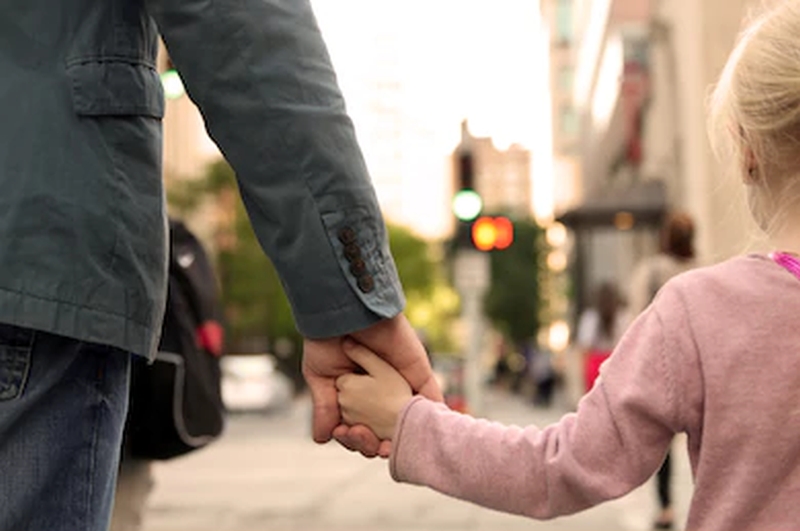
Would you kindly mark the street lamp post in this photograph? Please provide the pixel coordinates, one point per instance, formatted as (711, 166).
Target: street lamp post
(472, 280)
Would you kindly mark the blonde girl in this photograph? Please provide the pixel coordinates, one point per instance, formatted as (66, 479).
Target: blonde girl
(715, 356)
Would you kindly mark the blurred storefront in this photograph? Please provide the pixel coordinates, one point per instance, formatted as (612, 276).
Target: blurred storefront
(641, 72)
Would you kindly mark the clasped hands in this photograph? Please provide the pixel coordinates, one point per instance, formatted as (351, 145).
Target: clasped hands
(360, 384)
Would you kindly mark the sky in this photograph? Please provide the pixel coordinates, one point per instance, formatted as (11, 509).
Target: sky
(455, 59)
(458, 57)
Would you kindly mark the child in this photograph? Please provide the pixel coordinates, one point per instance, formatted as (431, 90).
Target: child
(716, 356)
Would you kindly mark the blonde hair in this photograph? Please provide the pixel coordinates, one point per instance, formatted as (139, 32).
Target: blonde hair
(755, 109)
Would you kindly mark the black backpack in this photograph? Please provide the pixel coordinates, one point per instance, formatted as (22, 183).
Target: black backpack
(176, 401)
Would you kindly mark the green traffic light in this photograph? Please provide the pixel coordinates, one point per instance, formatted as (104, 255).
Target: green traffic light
(173, 85)
(467, 205)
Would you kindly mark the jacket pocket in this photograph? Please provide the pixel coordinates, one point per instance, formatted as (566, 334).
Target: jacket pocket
(15, 358)
(115, 87)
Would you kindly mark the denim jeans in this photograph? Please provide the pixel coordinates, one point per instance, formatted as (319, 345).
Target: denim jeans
(62, 409)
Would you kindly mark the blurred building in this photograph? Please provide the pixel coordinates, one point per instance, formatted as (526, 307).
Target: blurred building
(637, 74)
(559, 19)
(187, 150)
(690, 41)
(382, 125)
(398, 150)
(187, 147)
(501, 177)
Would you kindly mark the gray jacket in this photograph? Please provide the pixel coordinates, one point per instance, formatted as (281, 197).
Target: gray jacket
(82, 217)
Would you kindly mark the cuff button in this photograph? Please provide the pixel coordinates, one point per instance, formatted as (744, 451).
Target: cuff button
(358, 267)
(352, 252)
(366, 283)
(347, 235)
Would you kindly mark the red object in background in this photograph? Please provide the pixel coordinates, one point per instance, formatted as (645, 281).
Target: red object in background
(210, 336)
(456, 403)
(594, 359)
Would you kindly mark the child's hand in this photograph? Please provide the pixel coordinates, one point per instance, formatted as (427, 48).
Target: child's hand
(374, 399)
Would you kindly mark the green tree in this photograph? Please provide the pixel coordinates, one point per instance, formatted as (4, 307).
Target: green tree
(431, 302)
(514, 302)
(412, 257)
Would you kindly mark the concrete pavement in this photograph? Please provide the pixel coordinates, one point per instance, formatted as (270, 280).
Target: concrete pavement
(267, 474)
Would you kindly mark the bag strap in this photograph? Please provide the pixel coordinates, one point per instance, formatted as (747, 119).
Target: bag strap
(789, 262)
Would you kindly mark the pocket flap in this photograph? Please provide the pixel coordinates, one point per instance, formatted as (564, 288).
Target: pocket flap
(117, 88)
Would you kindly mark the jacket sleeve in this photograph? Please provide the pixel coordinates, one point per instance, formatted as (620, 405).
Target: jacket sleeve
(614, 442)
(260, 73)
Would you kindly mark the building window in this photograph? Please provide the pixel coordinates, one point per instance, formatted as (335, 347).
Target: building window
(568, 120)
(564, 21)
(565, 76)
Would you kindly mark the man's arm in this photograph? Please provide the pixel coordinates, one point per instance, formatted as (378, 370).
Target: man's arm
(262, 78)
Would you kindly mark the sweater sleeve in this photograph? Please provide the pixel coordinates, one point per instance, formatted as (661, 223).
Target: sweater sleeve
(640, 289)
(614, 442)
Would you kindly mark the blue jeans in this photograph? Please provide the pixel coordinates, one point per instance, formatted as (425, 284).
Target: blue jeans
(62, 409)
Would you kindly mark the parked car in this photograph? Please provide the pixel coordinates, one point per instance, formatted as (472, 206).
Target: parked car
(251, 382)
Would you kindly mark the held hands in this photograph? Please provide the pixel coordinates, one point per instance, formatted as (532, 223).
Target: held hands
(374, 399)
(395, 341)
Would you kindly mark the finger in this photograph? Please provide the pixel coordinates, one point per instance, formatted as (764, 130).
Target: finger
(359, 439)
(340, 434)
(431, 390)
(344, 381)
(396, 342)
(366, 359)
(385, 449)
(325, 412)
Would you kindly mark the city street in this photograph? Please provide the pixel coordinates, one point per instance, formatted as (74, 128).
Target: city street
(267, 474)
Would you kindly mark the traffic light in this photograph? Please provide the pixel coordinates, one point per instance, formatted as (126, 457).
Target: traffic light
(466, 170)
(467, 204)
(492, 233)
(473, 231)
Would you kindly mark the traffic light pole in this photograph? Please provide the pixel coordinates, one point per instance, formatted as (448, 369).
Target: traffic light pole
(472, 280)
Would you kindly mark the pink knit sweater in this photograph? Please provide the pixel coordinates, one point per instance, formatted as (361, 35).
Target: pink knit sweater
(717, 356)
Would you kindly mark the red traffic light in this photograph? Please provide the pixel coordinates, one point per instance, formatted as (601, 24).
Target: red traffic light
(492, 233)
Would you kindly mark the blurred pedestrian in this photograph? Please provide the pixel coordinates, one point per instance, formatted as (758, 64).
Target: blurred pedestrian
(713, 356)
(83, 225)
(676, 255)
(599, 329)
(543, 374)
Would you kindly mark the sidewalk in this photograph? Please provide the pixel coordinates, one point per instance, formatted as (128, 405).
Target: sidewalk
(267, 474)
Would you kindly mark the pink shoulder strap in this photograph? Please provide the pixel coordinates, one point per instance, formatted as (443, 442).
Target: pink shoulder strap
(788, 261)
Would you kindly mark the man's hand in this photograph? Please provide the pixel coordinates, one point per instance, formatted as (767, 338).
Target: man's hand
(395, 341)
(323, 361)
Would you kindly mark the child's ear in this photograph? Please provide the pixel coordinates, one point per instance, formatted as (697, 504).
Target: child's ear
(750, 174)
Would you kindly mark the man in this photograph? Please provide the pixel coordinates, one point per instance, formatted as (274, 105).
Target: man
(82, 223)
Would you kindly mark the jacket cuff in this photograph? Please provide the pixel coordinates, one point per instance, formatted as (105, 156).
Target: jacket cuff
(347, 319)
